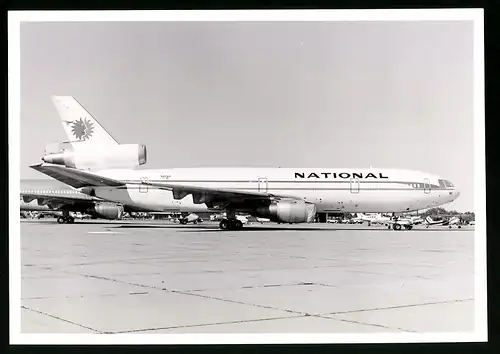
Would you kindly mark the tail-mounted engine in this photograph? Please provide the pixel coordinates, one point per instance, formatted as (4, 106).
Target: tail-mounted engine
(120, 156)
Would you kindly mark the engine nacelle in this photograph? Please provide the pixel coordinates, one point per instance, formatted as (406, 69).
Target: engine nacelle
(110, 211)
(119, 156)
(288, 211)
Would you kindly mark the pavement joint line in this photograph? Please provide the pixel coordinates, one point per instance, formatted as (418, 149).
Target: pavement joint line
(263, 286)
(60, 319)
(237, 302)
(122, 282)
(365, 323)
(206, 324)
(191, 294)
(79, 296)
(388, 275)
(399, 307)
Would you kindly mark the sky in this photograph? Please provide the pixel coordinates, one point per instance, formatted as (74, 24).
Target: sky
(288, 94)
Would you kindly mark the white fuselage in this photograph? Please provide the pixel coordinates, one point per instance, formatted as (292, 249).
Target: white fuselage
(331, 190)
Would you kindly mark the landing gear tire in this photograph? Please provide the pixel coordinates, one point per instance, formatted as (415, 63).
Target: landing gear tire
(459, 226)
(396, 227)
(237, 225)
(224, 224)
(65, 220)
(408, 227)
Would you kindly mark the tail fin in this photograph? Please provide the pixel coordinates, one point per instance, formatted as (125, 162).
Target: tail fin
(83, 130)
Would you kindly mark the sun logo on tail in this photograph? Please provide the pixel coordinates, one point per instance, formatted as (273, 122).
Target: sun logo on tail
(82, 129)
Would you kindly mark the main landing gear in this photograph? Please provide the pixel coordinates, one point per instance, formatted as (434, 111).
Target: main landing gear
(398, 227)
(65, 218)
(231, 224)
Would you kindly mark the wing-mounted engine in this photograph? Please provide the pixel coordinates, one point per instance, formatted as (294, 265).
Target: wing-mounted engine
(119, 156)
(288, 211)
(110, 211)
(28, 198)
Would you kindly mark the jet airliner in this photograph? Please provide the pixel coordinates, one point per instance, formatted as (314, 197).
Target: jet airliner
(286, 195)
(54, 197)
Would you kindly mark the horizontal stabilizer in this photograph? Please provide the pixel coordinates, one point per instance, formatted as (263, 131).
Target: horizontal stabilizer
(76, 178)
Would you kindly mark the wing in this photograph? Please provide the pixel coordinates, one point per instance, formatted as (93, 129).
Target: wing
(59, 202)
(76, 178)
(28, 197)
(214, 197)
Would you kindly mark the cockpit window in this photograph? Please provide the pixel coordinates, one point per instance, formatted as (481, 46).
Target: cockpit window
(445, 184)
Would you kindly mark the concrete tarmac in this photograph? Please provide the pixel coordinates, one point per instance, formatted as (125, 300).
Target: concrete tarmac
(158, 277)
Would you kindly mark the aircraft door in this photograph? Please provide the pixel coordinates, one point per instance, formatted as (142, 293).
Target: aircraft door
(354, 185)
(143, 188)
(427, 186)
(262, 184)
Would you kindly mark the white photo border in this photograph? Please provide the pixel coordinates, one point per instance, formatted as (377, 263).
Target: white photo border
(15, 18)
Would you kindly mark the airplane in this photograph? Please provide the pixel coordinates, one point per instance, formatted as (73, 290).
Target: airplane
(219, 217)
(55, 198)
(452, 221)
(414, 220)
(397, 223)
(373, 218)
(49, 196)
(242, 218)
(195, 219)
(284, 195)
(262, 220)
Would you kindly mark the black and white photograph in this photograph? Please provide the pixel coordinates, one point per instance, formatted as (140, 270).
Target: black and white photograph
(247, 176)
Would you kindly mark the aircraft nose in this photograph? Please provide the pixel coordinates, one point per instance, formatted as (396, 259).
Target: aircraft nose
(454, 193)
